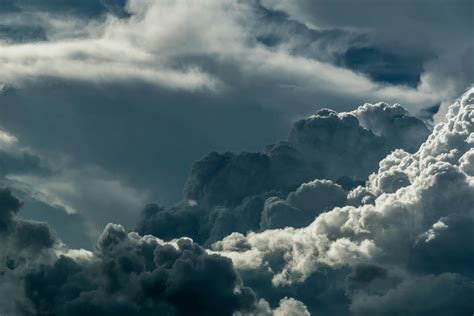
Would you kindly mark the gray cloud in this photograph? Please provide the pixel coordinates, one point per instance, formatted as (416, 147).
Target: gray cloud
(101, 97)
(125, 49)
(126, 274)
(137, 275)
(23, 245)
(127, 91)
(415, 31)
(244, 192)
(370, 258)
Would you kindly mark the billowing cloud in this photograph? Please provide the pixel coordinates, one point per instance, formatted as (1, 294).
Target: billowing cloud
(244, 192)
(367, 252)
(125, 274)
(417, 230)
(118, 87)
(347, 215)
(134, 275)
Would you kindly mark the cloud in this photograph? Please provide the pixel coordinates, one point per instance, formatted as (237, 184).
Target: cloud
(23, 244)
(126, 273)
(15, 159)
(244, 192)
(446, 293)
(416, 231)
(417, 34)
(303, 205)
(370, 256)
(322, 221)
(127, 89)
(129, 274)
(183, 51)
(54, 184)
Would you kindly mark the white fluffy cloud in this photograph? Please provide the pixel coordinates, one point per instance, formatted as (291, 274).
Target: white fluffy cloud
(424, 201)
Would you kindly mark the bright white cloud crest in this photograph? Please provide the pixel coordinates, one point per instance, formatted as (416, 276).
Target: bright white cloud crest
(437, 189)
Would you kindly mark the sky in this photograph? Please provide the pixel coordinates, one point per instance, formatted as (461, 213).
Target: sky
(296, 157)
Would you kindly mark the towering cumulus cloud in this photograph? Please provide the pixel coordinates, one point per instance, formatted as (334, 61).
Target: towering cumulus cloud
(230, 192)
(405, 250)
(309, 226)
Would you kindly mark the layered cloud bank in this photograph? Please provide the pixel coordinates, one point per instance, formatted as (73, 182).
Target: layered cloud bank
(314, 225)
(175, 45)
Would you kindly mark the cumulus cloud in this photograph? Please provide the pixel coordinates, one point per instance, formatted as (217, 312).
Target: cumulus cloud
(368, 251)
(125, 274)
(244, 192)
(130, 274)
(417, 230)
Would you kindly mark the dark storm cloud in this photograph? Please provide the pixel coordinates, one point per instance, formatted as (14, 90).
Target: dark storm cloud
(231, 192)
(139, 276)
(126, 274)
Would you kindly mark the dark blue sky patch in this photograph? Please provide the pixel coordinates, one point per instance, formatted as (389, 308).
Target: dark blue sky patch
(81, 7)
(383, 66)
(21, 34)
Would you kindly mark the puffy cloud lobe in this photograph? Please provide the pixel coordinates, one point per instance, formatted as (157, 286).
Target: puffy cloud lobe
(303, 205)
(411, 224)
(287, 307)
(126, 274)
(134, 275)
(244, 192)
(393, 122)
